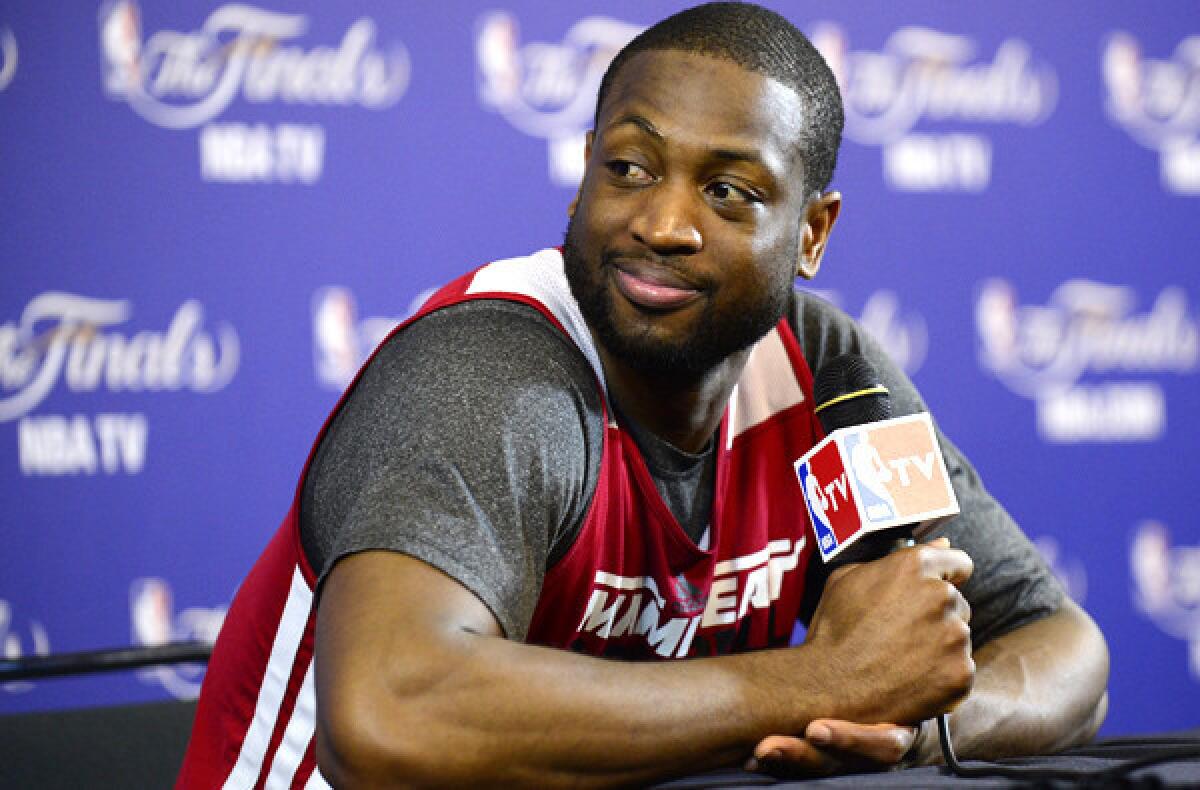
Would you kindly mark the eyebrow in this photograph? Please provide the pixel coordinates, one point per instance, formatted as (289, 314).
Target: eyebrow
(641, 122)
(724, 154)
(738, 155)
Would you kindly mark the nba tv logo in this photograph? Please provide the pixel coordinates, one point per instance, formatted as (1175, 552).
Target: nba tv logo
(875, 477)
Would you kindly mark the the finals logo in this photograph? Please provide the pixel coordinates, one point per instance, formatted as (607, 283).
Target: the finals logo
(548, 90)
(927, 97)
(184, 80)
(75, 345)
(1158, 103)
(1166, 582)
(8, 57)
(1089, 357)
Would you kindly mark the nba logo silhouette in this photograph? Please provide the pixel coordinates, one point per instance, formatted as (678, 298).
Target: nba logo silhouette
(875, 477)
(830, 498)
(816, 508)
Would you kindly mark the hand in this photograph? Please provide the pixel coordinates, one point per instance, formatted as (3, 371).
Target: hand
(831, 746)
(893, 636)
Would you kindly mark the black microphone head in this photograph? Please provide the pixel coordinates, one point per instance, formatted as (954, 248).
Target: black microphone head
(848, 391)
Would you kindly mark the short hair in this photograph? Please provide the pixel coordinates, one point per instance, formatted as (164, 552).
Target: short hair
(762, 41)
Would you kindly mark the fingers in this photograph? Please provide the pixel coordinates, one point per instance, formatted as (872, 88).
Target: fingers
(935, 566)
(936, 558)
(789, 754)
(939, 561)
(832, 745)
(899, 627)
(881, 743)
(959, 604)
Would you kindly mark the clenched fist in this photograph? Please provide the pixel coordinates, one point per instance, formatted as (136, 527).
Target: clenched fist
(894, 635)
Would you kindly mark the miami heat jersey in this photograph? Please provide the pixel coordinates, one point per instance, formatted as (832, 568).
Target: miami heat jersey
(632, 585)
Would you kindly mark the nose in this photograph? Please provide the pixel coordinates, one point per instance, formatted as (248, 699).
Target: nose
(666, 221)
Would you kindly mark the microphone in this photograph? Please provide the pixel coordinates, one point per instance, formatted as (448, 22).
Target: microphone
(875, 481)
(848, 392)
(869, 457)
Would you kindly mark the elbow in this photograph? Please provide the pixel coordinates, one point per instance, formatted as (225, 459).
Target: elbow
(360, 745)
(1079, 728)
(349, 757)
(1098, 714)
(1095, 713)
(1100, 673)
(1093, 678)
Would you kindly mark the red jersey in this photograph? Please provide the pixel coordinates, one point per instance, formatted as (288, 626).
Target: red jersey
(632, 585)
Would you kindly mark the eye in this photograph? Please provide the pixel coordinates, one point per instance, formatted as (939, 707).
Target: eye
(629, 171)
(730, 194)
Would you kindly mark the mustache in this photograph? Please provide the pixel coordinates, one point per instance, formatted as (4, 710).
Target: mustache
(671, 269)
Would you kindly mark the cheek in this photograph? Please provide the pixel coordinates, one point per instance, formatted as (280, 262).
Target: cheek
(596, 217)
(775, 258)
(785, 253)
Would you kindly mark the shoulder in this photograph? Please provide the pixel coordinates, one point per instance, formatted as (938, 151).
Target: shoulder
(468, 374)
(488, 345)
(473, 434)
(826, 331)
(482, 325)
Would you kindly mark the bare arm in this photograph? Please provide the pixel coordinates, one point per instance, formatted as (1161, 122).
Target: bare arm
(1039, 689)
(416, 686)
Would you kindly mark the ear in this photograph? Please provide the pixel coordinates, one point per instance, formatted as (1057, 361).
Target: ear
(819, 216)
(587, 154)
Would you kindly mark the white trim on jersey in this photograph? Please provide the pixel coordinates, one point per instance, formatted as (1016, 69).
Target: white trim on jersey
(296, 737)
(274, 685)
(541, 276)
(761, 391)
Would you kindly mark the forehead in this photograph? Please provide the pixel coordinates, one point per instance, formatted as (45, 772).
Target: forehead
(689, 96)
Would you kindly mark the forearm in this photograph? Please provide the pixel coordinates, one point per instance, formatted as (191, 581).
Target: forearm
(1038, 689)
(416, 686)
(429, 695)
(516, 715)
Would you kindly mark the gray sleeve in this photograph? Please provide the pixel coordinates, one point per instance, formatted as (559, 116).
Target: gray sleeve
(1011, 585)
(471, 442)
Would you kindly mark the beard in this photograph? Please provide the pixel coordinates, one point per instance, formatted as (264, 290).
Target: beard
(718, 331)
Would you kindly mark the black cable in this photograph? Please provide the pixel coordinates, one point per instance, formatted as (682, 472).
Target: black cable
(1102, 777)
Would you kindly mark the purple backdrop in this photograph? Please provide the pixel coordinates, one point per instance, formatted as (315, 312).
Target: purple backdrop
(212, 210)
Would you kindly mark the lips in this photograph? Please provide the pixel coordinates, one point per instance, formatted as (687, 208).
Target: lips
(652, 287)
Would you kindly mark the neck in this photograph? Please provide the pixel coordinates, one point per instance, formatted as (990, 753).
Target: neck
(683, 410)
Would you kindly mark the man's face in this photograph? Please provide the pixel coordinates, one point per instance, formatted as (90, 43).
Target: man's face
(685, 239)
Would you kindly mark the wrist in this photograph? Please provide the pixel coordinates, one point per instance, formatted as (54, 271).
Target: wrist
(784, 688)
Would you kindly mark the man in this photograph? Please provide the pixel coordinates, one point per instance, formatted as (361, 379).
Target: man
(592, 450)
